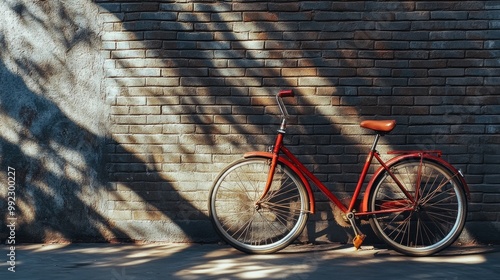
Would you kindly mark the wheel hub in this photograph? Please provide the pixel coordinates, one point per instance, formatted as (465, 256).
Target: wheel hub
(418, 208)
(258, 206)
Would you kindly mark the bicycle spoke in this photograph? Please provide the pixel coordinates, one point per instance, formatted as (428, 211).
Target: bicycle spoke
(273, 226)
(252, 225)
(397, 231)
(431, 194)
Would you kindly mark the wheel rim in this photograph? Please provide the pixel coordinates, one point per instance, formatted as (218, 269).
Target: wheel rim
(437, 217)
(265, 226)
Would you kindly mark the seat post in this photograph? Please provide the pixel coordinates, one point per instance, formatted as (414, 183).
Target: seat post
(375, 142)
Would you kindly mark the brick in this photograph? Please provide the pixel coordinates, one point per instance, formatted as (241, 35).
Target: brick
(410, 110)
(141, 25)
(119, 214)
(119, 129)
(449, 45)
(135, 7)
(227, 72)
(162, 82)
(178, 129)
(129, 119)
(491, 81)
(188, 71)
(301, 72)
(449, 35)
(490, 15)
(450, 5)
(316, 5)
(117, 54)
(121, 36)
(371, 91)
(314, 81)
(193, 17)
(226, 17)
(465, 81)
(200, 81)
(447, 72)
(139, 44)
(217, 7)
(412, 15)
(249, 6)
(131, 101)
(263, 72)
(160, 35)
(390, 82)
(199, 119)
(148, 215)
(145, 138)
(260, 16)
(270, 45)
(336, 16)
(467, 129)
(426, 81)
(197, 54)
(145, 129)
(176, 7)
(212, 26)
(120, 110)
(449, 15)
(176, 26)
(284, 7)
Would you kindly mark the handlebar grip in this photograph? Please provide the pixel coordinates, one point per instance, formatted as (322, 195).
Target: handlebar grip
(286, 93)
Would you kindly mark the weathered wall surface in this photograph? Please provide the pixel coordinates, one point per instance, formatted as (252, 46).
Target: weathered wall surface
(118, 114)
(54, 120)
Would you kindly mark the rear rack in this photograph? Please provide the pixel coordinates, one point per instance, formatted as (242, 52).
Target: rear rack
(432, 152)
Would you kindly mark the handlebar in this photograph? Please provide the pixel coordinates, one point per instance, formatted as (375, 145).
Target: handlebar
(279, 96)
(286, 93)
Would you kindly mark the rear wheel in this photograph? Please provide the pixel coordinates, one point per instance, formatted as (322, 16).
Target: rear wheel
(436, 219)
(254, 226)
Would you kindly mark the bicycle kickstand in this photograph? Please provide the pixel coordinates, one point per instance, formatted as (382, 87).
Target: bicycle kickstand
(359, 236)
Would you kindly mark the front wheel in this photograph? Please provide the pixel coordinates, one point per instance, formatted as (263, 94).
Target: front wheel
(437, 217)
(254, 226)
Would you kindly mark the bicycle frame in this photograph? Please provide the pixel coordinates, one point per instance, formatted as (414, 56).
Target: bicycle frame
(294, 164)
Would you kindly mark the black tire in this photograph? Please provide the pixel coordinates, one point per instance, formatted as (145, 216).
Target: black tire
(266, 228)
(437, 221)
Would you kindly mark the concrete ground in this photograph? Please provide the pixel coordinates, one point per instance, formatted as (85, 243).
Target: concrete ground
(196, 261)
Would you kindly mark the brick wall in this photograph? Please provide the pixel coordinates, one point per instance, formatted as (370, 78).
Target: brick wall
(191, 85)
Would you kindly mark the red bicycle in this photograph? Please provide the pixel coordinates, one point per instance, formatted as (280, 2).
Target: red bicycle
(416, 202)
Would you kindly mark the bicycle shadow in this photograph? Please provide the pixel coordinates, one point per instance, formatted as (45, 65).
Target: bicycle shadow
(383, 250)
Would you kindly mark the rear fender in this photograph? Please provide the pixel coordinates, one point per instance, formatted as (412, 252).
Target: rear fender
(290, 165)
(416, 155)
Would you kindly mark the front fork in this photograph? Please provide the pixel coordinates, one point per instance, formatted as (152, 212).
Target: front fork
(272, 168)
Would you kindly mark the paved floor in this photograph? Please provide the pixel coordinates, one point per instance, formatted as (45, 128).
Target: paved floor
(195, 261)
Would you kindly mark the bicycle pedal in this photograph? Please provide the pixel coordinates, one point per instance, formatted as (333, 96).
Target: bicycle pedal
(358, 240)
